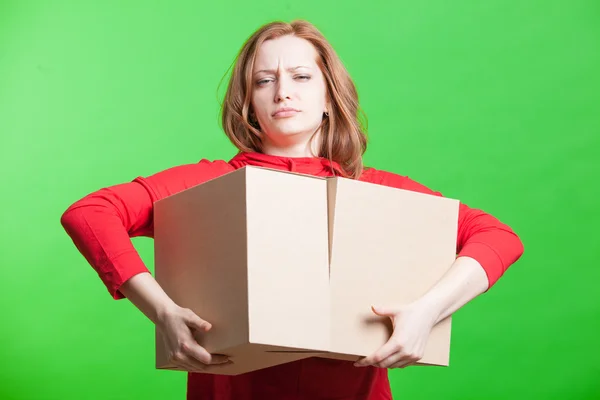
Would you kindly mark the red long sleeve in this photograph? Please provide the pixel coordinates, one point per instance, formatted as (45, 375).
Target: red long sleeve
(481, 236)
(102, 223)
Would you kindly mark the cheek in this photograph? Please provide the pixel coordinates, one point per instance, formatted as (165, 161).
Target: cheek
(317, 102)
(258, 103)
(318, 95)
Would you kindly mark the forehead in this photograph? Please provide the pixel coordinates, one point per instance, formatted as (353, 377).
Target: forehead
(285, 52)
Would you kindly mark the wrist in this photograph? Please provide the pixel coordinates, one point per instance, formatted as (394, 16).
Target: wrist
(146, 294)
(464, 281)
(430, 308)
(164, 310)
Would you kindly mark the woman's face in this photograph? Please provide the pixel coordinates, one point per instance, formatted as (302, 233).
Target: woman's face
(289, 93)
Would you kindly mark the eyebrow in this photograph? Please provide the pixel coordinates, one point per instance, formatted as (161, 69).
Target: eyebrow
(289, 69)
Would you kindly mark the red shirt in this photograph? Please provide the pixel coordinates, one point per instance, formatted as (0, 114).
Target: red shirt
(102, 223)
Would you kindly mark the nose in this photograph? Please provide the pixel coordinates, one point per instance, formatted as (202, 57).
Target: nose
(282, 92)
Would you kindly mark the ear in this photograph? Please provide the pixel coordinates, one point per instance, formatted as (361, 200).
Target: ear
(327, 107)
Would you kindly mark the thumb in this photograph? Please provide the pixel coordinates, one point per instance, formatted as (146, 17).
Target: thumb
(198, 323)
(384, 311)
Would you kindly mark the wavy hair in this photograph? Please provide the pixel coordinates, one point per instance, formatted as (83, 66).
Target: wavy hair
(343, 131)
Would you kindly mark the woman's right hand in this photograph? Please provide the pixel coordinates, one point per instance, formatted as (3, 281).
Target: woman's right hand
(178, 325)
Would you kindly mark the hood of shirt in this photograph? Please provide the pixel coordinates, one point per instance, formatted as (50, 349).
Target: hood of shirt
(316, 166)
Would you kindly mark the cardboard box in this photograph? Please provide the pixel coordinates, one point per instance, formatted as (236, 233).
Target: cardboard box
(286, 266)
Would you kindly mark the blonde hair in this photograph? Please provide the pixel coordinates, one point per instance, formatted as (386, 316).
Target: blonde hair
(343, 132)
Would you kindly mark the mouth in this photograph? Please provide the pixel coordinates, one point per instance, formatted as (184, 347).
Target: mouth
(285, 112)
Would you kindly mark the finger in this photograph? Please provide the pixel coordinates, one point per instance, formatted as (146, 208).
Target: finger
(410, 359)
(182, 361)
(394, 359)
(219, 359)
(193, 350)
(201, 354)
(389, 348)
(194, 321)
(193, 365)
(190, 366)
(403, 364)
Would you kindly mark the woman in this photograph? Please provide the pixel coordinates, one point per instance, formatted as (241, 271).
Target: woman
(290, 105)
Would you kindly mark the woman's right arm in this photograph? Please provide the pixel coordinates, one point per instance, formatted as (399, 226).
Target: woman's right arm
(101, 226)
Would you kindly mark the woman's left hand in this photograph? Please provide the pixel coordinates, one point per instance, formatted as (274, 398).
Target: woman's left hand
(412, 325)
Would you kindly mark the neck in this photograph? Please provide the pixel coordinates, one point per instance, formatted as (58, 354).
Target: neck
(292, 148)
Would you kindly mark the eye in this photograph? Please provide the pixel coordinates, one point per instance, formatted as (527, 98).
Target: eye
(303, 77)
(263, 81)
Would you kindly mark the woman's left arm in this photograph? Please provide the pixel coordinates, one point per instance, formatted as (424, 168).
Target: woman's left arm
(486, 248)
(413, 322)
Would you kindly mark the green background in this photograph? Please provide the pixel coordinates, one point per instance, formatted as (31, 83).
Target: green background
(496, 103)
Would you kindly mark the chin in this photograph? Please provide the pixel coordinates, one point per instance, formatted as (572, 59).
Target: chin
(290, 132)
(289, 129)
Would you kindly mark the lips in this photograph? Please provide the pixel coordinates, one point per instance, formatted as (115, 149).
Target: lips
(285, 112)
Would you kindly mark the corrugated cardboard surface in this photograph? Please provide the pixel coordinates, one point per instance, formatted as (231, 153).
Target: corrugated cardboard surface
(288, 274)
(200, 257)
(389, 246)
